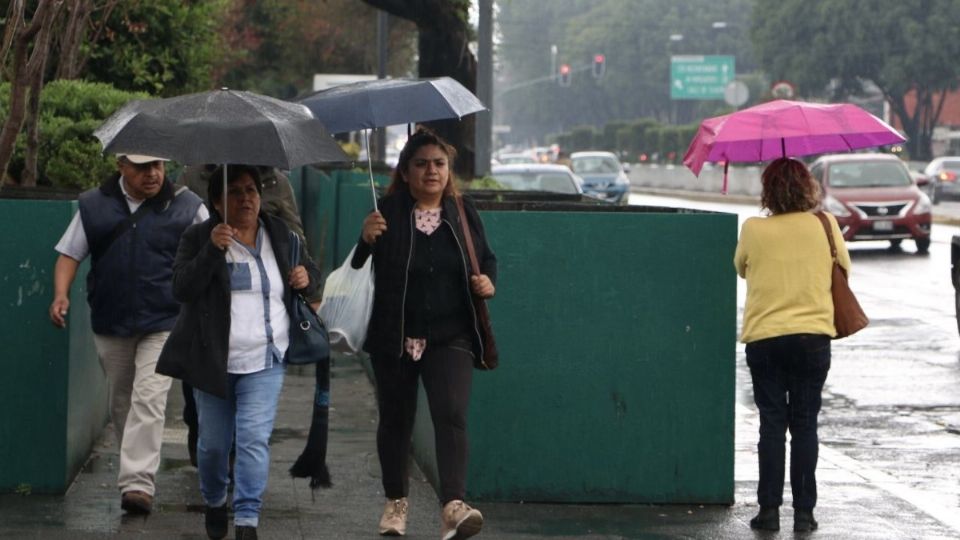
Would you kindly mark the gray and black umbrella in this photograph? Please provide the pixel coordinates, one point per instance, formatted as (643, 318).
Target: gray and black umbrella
(221, 126)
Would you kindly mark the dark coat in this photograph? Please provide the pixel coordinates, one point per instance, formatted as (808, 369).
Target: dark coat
(391, 262)
(197, 348)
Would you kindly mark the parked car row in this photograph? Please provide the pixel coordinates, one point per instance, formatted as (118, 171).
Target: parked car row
(597, 174)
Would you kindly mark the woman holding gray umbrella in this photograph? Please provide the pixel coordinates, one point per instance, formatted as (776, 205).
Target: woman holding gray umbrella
(233, 277)
(787, 326)
(423, 325)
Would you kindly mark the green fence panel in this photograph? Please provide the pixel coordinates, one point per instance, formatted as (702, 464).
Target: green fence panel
(617, 337)
(53, 389)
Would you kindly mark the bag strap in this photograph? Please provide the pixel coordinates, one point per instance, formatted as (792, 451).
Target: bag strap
(826, 227)
(471, 252)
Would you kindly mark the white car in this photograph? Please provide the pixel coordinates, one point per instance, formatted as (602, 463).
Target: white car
(538, 177)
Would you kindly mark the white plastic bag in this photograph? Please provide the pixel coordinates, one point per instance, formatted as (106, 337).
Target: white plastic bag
(347, 304)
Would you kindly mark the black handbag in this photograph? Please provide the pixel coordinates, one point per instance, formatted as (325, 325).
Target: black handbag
(309, 342)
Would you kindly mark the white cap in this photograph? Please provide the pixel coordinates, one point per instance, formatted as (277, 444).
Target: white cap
(140, 159)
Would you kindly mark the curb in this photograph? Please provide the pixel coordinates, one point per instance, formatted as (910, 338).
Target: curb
(940, 217)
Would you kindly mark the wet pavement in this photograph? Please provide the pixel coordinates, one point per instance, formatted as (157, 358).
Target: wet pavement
(868, 488)
(857, 500)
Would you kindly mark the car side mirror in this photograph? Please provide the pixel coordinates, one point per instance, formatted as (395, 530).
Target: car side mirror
(626, 167)
(921, 179)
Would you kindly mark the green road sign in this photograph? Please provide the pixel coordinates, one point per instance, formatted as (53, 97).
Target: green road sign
(700, 77)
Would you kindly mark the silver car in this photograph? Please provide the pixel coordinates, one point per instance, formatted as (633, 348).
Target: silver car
(538, 177)
(944, 175)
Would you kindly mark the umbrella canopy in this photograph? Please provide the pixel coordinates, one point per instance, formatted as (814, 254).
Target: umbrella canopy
(388, 102)
(784, 128)
(221, 126)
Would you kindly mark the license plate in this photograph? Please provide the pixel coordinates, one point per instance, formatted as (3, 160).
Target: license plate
(883, 225)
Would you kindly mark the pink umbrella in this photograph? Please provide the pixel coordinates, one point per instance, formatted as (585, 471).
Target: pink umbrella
(784, 128)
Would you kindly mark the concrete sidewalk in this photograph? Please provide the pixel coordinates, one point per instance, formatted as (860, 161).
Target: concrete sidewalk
(855, 501)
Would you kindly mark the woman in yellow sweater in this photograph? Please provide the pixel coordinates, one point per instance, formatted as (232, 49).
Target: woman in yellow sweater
(787, 326)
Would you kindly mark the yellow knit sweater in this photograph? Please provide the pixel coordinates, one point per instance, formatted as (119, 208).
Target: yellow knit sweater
(786, 262)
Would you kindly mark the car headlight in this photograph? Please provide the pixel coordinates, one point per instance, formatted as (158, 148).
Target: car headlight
(922, 205)
(835, 207)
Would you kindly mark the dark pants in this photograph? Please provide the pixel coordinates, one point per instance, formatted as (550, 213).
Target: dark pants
(788, 373)
(447, 373)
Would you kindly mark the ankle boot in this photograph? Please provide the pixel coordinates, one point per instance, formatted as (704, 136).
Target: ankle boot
(768, 519)
(803, 521)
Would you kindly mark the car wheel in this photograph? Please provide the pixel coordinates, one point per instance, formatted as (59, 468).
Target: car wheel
(923, 244)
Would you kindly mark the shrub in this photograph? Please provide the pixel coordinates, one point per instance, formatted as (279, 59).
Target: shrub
(69, 155)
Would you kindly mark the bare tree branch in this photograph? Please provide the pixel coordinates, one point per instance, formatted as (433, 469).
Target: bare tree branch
(24, 68)
(14, 22)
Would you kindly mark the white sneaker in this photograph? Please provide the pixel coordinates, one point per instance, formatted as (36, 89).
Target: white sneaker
(393, 522)
(459, 521)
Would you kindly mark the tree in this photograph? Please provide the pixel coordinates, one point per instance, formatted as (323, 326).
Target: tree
(30, 43)
(907, 48)
(162, 47)
(635, 38)
(276, 46)
(443, 50)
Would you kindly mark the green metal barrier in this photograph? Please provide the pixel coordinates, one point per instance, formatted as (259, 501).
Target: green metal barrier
(333, 204)
(616, 382)
(53, 392)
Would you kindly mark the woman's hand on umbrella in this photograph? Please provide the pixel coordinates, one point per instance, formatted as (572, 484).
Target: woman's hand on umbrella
(482, 286)
(222, 235)
(373, 226)
(299, 279)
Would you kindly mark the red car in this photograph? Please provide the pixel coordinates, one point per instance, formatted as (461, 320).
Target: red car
(874, 197)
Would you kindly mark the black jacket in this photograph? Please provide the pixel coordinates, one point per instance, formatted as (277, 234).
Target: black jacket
(391, 262)
(197, 348)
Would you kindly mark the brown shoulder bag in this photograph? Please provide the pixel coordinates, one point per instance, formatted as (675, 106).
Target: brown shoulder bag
(490, 356)
(848, 316)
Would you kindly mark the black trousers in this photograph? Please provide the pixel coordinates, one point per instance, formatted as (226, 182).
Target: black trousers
(788, 374)
(447, 373)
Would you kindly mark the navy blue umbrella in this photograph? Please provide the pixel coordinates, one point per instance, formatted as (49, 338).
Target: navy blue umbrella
(389, 102)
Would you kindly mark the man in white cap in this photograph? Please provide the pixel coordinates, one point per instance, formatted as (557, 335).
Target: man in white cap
(130, 226)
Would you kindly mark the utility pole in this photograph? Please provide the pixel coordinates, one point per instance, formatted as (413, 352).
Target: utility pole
(484, 125)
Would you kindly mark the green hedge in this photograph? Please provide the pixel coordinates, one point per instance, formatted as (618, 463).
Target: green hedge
(70, 110)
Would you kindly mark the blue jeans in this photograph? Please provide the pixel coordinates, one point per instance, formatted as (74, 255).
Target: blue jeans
(250, 407)
(788, 374)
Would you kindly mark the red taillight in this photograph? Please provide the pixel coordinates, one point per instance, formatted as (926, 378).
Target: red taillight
(947, 176)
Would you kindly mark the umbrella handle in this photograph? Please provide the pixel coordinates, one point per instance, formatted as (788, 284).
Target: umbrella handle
(225, 193)
(373, 187)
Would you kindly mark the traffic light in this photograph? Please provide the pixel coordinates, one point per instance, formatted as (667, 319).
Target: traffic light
(564, 78)
(599, 65)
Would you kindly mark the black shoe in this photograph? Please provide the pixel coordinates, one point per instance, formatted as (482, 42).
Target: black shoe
(216, 521)
(803, 521)
(767, 520)
(245, 532)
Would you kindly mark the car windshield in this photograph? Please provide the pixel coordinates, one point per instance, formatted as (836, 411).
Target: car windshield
(595, 165)
(553, 182)
(868, 174)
